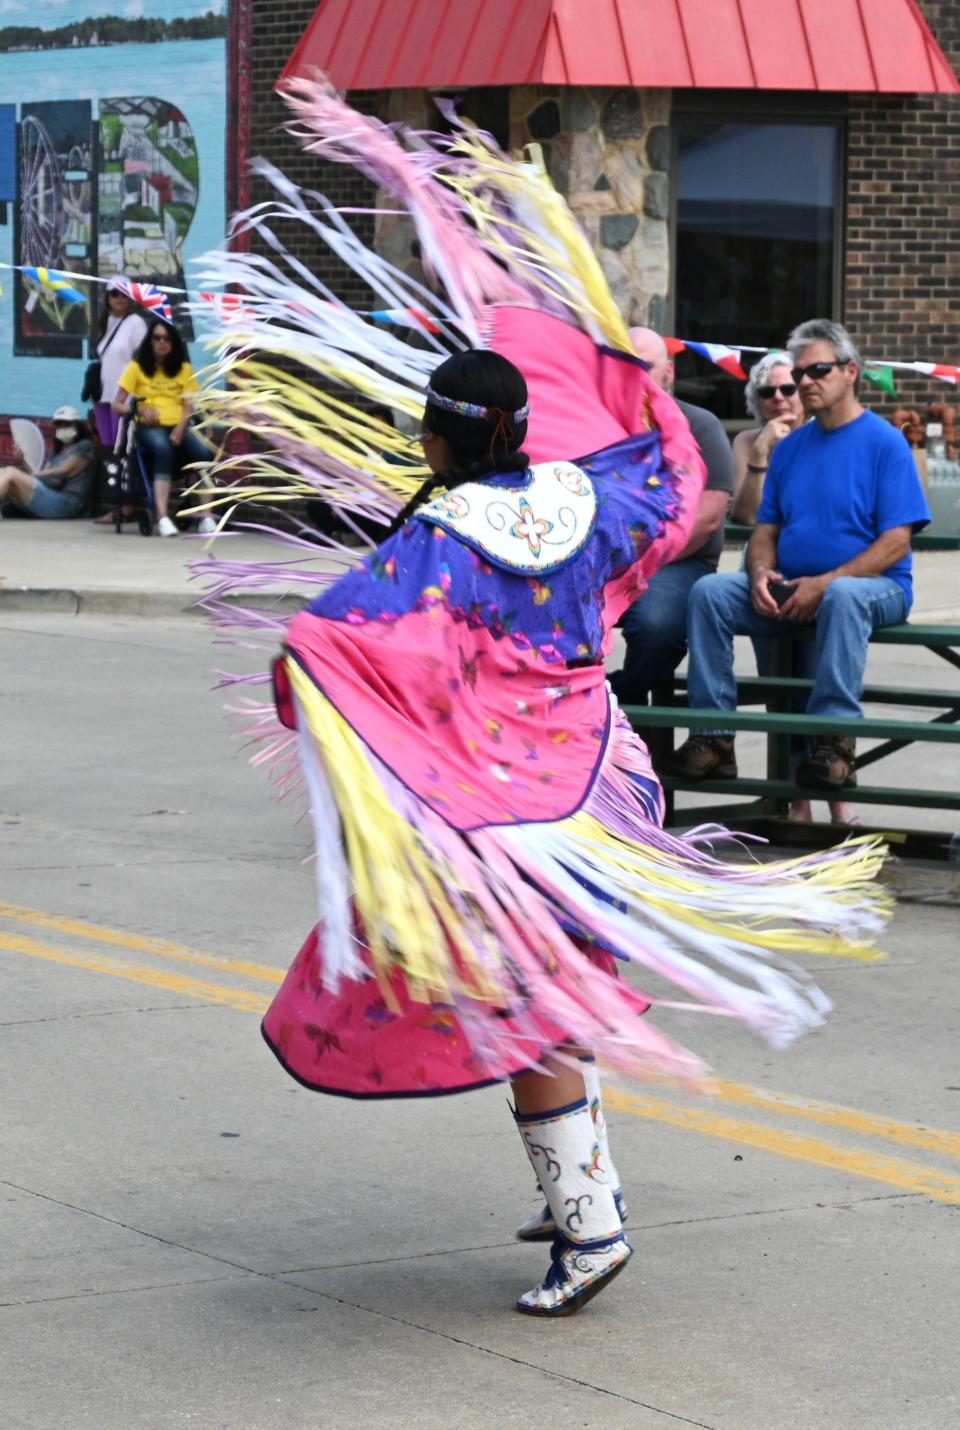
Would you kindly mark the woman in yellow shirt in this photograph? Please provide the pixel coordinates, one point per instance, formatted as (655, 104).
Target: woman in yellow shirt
(161, 379)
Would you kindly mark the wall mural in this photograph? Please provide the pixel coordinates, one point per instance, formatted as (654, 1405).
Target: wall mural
(109, 179)
(148, 183)
(55, 222)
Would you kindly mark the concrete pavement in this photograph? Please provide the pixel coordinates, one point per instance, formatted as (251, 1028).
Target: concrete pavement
(78, 567)
(190, 1239)
(73, 566)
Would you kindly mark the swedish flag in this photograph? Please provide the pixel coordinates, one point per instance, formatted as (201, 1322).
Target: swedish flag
(56, 283)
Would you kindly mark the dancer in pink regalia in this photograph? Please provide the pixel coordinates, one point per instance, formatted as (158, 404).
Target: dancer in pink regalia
(489, 841)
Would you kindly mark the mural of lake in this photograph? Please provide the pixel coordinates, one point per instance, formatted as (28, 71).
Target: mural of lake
(118, 155)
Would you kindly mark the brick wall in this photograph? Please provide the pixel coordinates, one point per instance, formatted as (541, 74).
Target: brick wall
(275, 28)
(902, 252)
(902, 278)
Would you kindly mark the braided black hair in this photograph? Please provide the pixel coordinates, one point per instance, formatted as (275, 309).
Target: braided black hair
(480, 445)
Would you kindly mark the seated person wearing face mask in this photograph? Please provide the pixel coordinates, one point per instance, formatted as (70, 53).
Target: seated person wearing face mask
(61, 489)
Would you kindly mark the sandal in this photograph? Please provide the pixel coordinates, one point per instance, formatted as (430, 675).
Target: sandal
(127, 513)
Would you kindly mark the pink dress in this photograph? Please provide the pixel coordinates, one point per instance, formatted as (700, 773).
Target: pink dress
(466, 657)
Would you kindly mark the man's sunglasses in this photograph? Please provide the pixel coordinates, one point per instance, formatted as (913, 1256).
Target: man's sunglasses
(787, 388)
(814, 370)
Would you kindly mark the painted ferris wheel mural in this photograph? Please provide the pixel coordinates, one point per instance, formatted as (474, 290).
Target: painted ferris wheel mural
(113, 159)
(115, 194)
(41, 196)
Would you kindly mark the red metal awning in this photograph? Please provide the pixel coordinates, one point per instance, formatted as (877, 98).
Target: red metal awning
(878, 46)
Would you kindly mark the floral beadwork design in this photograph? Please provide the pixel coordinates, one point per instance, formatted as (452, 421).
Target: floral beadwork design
(439, 570)
(530, 527)
(455, 505)
(571, 478)
(536, 527)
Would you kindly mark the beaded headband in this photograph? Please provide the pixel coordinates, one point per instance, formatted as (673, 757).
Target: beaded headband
(474, 409)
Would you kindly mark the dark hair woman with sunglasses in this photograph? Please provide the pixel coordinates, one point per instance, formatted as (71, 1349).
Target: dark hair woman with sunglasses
(162, 380)
(773, 399)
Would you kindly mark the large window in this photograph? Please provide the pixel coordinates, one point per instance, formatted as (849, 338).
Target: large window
(755, 240)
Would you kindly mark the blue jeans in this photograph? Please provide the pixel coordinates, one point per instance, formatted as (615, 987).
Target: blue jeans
(655, 630)
(164, 456)
(852, 608)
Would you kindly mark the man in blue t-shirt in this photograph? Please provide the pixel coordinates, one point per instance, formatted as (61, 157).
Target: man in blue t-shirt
(832, 546)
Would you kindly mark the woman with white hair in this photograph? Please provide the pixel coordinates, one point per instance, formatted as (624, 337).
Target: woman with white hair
(772, 398)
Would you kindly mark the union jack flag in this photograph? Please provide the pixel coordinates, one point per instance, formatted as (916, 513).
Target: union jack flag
(146, 295)
(228, 307)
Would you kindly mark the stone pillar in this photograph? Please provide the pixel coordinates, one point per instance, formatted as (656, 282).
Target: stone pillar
(608, 152)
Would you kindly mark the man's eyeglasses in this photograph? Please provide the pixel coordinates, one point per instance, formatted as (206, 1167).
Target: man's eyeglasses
(787, 388)
(814, 370)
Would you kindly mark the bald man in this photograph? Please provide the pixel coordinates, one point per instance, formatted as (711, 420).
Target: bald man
(655, 627)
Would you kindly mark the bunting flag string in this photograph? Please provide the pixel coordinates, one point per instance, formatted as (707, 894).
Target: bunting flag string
(724, 357)
(228, 307)
(881, 378)
(946, 372)
(877, 371)
(231, 308)
(63, 285)
(405, 317)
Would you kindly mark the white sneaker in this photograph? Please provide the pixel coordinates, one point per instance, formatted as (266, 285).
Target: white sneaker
(165, 527)
(207, 526)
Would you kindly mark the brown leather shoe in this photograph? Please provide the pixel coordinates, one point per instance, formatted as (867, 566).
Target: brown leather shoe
(830, 764)
(704, 757)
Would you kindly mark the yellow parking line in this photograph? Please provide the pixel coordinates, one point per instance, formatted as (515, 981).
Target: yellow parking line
(136, 973)
(908, 1176)
(162, 947)
(868, 1124)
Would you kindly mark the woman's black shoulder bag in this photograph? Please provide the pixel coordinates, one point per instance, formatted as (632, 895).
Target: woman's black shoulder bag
(92, 390)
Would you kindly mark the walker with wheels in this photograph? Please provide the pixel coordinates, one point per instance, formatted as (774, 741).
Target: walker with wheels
(128, 480)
